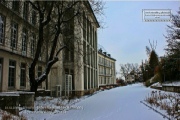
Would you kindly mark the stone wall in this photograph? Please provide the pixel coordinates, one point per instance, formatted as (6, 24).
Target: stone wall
(11, 101)
(171, 88)
(26, 100)
(168, 88)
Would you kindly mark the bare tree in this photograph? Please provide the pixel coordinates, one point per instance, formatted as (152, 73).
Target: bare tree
(126, 69)
(55, 16)
(148, 50)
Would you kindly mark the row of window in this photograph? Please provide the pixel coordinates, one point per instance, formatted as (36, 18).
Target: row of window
(14, 36)
(89, 32)
(24, 7)
(90, 77)
(104, 61)
(104, 71)
(12, 73)
(107, 80)
(89, 55)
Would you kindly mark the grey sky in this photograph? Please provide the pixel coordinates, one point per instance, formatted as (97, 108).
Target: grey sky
(126, 35)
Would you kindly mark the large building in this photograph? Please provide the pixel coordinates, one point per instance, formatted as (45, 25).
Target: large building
(78, 72)
(75, 72)
(106, 67)
(18, 35)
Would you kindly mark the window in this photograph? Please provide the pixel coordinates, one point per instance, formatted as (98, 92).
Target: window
(84, 52)
(90, 34)
(0, 73)
(72, 55)
(39, 71)
(33, 43)
(92, 41)
(23, 75)
(84, 25)
(2, 26)
(66, 71)
(88, 23)
(15, 6)
(33, 17)
(95, 40)
(12, 73)
(24, 41)
(25, 11)
(40, 56)
(14, 35)
(39, 74)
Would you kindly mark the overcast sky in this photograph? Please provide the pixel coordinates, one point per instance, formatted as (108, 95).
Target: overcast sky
(125, 35)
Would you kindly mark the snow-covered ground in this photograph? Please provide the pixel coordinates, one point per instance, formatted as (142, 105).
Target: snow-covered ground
(122, 103)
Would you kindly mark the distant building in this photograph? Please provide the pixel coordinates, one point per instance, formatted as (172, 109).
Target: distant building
(106, 67)
(130, 78)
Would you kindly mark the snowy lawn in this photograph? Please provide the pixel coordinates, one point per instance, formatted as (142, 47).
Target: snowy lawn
(121, 103)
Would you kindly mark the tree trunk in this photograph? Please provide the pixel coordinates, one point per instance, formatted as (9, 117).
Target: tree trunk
(34, 86)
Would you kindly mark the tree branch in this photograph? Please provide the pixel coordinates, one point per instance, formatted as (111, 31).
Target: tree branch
(48, 66)
(36, 8)
(60, 50)
(49, 14)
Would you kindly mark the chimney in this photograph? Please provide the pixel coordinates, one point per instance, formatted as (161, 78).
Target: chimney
(100, 50)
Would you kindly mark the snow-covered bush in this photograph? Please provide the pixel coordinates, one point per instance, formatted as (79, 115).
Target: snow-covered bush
(4, 115)
(156, 78)
(169, 102)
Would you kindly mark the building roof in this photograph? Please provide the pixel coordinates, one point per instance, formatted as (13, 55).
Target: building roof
(88, 5)
(100, 51)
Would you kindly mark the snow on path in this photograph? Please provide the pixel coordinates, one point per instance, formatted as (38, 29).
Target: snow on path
(122, 103)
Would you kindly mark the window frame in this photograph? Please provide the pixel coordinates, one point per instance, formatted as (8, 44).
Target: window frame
(33, 17)
(2, 29)
(14, 35)
(33, 44)
(16, 6)
(1, 72)
(23, 75)
(24, 41)
(11, 83)
(39, 71)
(25, 10)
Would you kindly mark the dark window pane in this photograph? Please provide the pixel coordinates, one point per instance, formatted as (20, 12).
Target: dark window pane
(15, 6)
(25, 11)
(2, 27)
(14, 34)
(12, 72)
(23, 75)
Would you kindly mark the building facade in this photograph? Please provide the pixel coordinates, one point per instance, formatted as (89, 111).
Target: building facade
(106, 68)
(17, 45)
(75, 72)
